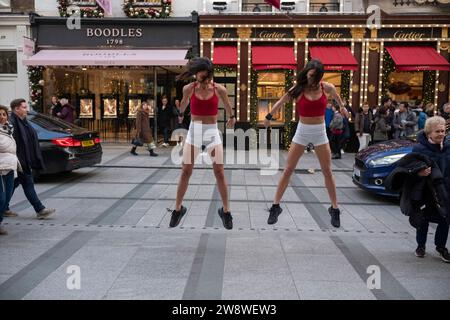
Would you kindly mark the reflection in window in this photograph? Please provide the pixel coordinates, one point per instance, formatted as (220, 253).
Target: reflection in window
(5, 4)
(324, 6)
(255, 6)
(8, 62)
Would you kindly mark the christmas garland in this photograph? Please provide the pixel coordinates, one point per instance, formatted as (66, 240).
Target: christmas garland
(428, 88)
(132, 10)
(94, 12)
(388, 67)
(289, 83)
(35, 84)
(254, 107)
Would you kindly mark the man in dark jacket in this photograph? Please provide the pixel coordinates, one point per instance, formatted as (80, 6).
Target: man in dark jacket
(165, 114)
(29, 155)
(67, 111)
(55, 107)
(433, 146)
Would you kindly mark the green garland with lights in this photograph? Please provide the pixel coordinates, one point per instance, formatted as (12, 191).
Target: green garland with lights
(254, 106)
(224, 69)
(288, 107)
(94, 12)
(428, 86)
(388, 68)
(35, 76)
(345, 84)
(133, 11)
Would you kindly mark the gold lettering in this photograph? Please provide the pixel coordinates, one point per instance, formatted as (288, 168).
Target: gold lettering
(408, 35)
(271, 35)
(328, 35)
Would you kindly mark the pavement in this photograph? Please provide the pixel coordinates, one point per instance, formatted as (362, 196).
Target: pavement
(109, 238)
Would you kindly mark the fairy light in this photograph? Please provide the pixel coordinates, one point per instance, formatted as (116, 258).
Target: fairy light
(238, 75)
(380, 76)
(249, 78)
(437, 77)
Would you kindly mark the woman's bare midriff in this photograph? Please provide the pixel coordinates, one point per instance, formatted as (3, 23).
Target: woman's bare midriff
(312, 120)
(204, 119)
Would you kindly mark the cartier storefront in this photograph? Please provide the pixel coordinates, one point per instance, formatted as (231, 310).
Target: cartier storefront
(109, 66)
(260, 56)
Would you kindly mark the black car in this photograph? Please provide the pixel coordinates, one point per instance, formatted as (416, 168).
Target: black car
(65, 147)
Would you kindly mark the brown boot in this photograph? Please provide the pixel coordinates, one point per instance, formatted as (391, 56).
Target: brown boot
(3, 231)
(9, 213)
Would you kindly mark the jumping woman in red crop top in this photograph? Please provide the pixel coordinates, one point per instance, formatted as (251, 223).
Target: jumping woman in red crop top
(204, 97)
(310, 95)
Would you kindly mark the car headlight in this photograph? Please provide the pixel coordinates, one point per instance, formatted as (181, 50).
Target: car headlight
(385, 161)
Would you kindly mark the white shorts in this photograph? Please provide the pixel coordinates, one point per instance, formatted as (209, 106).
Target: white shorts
(310, 133)
(200, 134)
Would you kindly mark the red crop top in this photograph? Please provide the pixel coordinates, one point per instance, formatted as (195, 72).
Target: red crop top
(308, 108)
(208, 107)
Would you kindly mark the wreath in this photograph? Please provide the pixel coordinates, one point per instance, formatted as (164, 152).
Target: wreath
(85, 12)
(137, 10)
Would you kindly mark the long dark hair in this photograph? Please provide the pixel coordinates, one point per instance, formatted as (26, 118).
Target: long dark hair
(302, 78)
(196, 65)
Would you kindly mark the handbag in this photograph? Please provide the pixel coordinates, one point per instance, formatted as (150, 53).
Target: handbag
(137, 142)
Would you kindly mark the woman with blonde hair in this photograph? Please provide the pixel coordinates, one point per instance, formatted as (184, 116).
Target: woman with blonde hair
(143, 131)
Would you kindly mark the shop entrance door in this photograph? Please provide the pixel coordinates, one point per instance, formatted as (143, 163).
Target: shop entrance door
(230, 84)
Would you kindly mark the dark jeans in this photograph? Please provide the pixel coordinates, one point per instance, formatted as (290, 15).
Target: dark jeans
(6, 191)
(336, 143)
(26, 180)
(166, 133)
(440, 238)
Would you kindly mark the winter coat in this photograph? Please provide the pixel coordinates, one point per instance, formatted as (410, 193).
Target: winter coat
(381, 128)
(143, 130)
(28, 149)
(8, 148)
(67, 113)
(408, 127)
(359, 121)
(337, 123)
(165, 116)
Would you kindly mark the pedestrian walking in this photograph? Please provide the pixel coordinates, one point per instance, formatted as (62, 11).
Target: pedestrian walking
(8, 164)
(405, 121)
(381, 125)
(143, 132)
(310, 96)
(423, 180)
(203, 95)
(363, 125)
(165, 115)
(337, 133)
(29, 155)
(67, 111)
(55, 106)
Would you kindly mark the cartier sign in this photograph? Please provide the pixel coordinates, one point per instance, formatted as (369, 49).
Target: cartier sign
(272, 33)
(329, 33)
(409, 33)
(114, 32)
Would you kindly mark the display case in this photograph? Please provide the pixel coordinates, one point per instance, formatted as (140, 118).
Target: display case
(109, 106)
(86, 106)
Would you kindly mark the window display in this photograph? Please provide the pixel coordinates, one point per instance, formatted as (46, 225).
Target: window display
(86, 107)
(109, 107)
(270, 90)
(133, 106)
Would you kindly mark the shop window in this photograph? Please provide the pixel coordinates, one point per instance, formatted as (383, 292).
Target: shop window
(324, 6)
(5, 5)
(334, 78)
(406, 86)
(255, 6)
(271, 87)
(8, 62)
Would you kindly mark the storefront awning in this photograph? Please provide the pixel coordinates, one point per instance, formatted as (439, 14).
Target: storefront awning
(264, 58)
(417, 58)
(156, 57)
(225, 55)
(334, 58)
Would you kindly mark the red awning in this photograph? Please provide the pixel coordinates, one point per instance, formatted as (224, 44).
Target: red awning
(417, 58)
(225, 55)
(264, 58)
(334, 58)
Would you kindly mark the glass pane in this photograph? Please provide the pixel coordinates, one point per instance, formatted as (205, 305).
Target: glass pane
(8, 62)
(221, 126)
(231, 88)
(221, 114)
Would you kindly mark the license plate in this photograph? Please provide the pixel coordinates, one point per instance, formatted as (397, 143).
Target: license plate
(87, 143)
(356, 172)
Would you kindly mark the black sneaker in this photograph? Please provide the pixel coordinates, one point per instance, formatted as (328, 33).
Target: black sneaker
(334, 213)
(274, 213)
(443, 252)
(227, 219)
(420, 252)
(176, 217)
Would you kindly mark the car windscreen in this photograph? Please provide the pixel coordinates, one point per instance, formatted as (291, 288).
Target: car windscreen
(52, 124)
